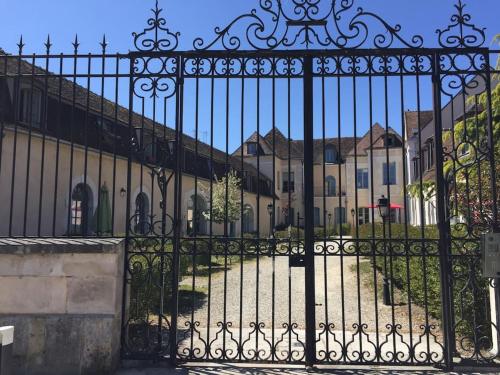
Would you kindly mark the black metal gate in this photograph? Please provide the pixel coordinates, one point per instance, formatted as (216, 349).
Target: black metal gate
(307, 187)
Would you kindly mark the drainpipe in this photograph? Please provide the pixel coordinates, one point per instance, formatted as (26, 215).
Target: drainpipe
(6, 343)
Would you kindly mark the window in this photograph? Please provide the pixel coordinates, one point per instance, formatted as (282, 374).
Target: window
(430, 154)
(330, 154)
(389, 174)
(331, 186)
(288, 182)
(81, 210)
(30, 107)
(416, 169)
(362, 176)
(317, 217)
(248, 219)
(340, 215)
(464, 149)
(389, 140)
(252, 148)
(363, 215)
(142, 225)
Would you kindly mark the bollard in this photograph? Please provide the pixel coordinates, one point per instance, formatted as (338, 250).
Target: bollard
(6, 343)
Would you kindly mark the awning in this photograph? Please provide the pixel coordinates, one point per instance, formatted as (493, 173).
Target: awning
(393, 205)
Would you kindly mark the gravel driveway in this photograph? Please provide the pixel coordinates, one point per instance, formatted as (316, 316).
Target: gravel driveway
(272, 292)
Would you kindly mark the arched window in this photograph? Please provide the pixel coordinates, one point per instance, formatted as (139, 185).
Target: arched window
(331, 186)
(142, 222)
(248, 219)
(330, 154)
(196, 222)
(81, 210)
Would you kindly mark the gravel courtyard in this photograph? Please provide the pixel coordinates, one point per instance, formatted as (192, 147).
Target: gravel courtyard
(267, 290)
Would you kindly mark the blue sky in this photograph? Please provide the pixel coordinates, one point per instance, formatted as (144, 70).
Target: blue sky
(90, 19)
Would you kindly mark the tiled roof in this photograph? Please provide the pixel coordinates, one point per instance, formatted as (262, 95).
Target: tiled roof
(372, 139)
(411, 121)
(70, 92)
(282, 145)
(297, 146)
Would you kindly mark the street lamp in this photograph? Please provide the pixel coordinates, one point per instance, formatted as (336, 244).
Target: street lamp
(384, 210)
(329, 222)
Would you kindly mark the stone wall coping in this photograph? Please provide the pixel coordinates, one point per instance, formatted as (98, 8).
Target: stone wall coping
(6, 335)
(23, 246)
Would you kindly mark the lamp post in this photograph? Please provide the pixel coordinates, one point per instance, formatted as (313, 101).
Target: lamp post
(384, 210)
(329, 221)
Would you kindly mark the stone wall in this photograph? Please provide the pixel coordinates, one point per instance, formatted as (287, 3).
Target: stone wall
(64, 298)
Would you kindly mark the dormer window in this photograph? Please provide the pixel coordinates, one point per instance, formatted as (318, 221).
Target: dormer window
(330, 154)
(389, 141)
(252, 148)
(30, 107)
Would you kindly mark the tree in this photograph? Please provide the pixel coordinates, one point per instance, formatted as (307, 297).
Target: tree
(469, 171)
(468, 164)
(226, 199)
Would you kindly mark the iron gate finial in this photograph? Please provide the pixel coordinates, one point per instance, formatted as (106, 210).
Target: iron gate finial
(162, 39)
(461, 33)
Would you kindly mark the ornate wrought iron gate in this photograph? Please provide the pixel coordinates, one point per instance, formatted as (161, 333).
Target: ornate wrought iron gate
(244, 158)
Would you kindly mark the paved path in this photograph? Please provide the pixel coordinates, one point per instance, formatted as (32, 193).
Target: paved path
(279, 293)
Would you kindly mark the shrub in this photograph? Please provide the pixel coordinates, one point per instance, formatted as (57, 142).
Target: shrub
(322, 233)
(417, 274)
(345, 229)
(149, 272)
(281, 227)
(292, 233)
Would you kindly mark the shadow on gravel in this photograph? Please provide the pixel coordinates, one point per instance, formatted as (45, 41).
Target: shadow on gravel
(298, 370)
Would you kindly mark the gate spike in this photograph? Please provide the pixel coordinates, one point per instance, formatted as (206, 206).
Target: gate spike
(76, 44)
(103, 43)
(47, 44)
(21, 45)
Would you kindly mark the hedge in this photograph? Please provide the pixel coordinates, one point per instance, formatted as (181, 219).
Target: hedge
(417, 275)
(145, 273)
(320, 233)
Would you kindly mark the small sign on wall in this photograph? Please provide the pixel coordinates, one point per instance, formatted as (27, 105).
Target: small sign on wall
(490, 246)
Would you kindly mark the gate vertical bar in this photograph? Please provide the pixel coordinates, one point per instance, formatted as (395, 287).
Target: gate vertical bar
(177, 206)
(495, 225)
(442, 218)
(131, 135)
(309, 212)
